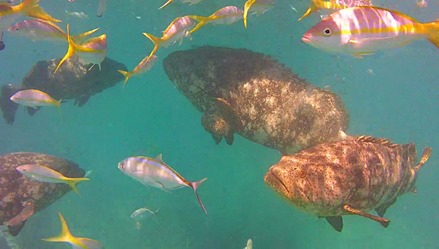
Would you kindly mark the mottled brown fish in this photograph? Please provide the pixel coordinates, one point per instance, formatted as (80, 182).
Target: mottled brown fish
(251, 94)
(352, 176)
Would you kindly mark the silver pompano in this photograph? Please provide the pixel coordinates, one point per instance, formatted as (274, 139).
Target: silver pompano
(240, 91)
(21, 197)
(352, 176)
(154, 172)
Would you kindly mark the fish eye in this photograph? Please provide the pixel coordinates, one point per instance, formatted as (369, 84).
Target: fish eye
(122, 165)
(327, 31)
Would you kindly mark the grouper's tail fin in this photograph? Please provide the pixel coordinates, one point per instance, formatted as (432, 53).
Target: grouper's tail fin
(425, 155)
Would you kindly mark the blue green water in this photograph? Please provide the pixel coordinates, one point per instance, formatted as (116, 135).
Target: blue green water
(148, 116)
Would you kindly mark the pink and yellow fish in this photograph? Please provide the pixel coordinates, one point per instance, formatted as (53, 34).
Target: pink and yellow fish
(43, 173)
(182, 1)
(10, 13)
(91, 51)
(143, 66)
(76, 242)
(34, 98)
(177, 30)
(256, 7)
(364, 30)
(225, 15)
(37, 29)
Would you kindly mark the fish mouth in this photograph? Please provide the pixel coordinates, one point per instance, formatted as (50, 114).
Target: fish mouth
(306, 38)
(274, 181)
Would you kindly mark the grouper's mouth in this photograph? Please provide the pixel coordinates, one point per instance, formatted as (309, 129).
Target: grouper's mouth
(274, 181)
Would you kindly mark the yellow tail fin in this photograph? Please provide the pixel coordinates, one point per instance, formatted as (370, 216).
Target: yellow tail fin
(202, 20)
(32, 8)
(157, 41)
(72, 182)
(65, 235)
(433, 32)
(166, 4)
(70, 50)
(247, 6)
(126, 74)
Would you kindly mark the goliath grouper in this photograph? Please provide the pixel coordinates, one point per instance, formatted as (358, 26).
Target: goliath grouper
(352, 176)
(240, 91)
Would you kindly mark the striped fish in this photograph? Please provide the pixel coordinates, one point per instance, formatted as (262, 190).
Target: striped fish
(364, 30)
(154, 172)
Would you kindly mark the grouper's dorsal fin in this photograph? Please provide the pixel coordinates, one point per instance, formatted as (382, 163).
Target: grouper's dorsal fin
(382, 141)
(159, 158)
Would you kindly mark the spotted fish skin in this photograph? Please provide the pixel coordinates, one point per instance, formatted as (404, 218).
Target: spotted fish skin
(363, 172)
(249, 93)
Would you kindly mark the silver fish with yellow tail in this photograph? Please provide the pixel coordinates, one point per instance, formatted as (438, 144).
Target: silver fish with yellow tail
(352, 176)
(154, 172)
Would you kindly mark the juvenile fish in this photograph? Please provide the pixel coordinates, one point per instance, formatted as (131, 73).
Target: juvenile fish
(177, 30)
(226, 15)
(80, 15)
(364, 30)
(352, 176)
(102, 6)
(154, 172)
(144, 66)
(45, 174)
(34, 98)
(141, 214)
(76, 242)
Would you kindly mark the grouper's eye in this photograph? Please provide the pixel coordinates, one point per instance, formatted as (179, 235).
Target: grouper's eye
(327, 31)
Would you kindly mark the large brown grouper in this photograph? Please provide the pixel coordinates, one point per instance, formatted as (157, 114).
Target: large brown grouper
(20, 196)
(240, 91)
(72, 81)
(352, 176)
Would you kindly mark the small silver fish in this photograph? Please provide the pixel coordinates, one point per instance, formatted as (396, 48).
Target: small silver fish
(249, 244)
(154, 172)
(141, 214)
(80, 15)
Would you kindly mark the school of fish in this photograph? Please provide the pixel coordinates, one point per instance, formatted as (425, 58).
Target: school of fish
(347, 175)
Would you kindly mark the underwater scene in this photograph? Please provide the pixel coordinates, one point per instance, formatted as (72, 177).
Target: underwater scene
(202, 124)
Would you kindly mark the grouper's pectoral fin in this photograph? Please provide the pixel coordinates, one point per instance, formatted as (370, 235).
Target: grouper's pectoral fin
(16, 223)
(336, 222)
(381, 210)
(383, 221)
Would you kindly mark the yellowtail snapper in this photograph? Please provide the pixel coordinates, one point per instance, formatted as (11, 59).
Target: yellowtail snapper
(154, 172)
(334, 5)
(143, 66)
(76, 242)
(10, 13)
(364, 30)
(45, 174)
(177, 30)
(225, 15)
(34, 98)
